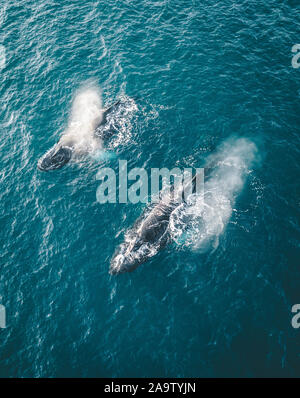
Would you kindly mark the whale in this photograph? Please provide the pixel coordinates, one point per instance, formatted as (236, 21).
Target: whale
(195, 220)
(150, 232)
(83, 134)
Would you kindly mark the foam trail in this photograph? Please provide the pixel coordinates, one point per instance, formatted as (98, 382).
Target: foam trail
(200, 222)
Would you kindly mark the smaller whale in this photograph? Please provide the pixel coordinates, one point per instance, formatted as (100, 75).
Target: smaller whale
(149, 234)
(83, 134)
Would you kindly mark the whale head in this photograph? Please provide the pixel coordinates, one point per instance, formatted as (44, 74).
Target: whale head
(143, 241)
(55, 158)
(129, 255)
(121, 263)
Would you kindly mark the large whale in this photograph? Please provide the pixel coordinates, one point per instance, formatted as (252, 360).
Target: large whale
(198, 219)
(83, 134)
(150, 233)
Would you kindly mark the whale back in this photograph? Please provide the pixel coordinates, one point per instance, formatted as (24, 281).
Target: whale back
(108, 110)
(106, 134)
(148, 235)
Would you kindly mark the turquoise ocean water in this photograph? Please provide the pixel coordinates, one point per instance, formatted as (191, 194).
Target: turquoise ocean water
(193, 74)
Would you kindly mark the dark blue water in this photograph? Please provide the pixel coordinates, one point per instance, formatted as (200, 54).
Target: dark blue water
(200, 72)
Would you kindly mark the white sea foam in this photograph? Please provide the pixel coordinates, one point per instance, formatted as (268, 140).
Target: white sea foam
(121, 122)
(198, 223)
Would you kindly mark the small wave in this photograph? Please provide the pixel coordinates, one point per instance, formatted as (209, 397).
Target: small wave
(2, 57)
(103, 156)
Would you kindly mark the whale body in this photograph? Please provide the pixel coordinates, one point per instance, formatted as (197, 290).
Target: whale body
(196, 221)
(145, 239)
(82, 134)
(149, 234)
